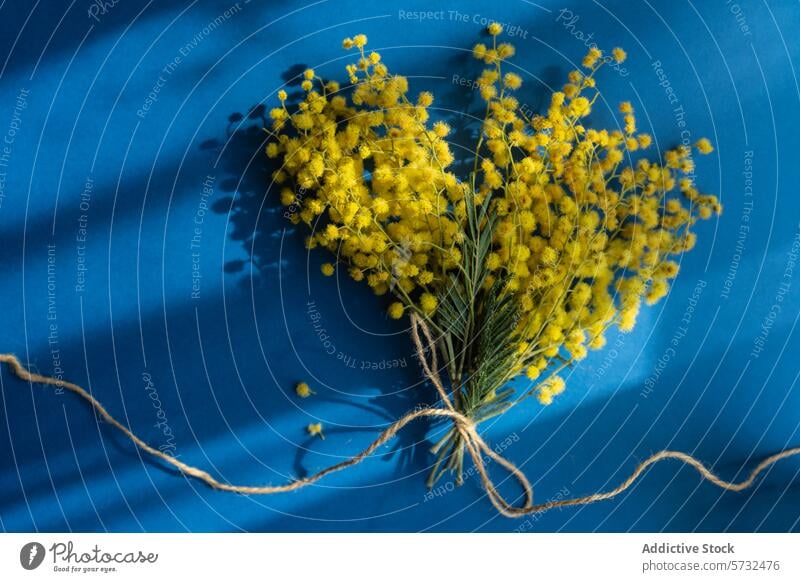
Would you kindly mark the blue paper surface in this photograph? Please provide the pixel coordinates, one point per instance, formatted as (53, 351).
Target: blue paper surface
(144, 259)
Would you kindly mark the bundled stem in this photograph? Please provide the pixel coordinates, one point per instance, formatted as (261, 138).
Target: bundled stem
(476, 323)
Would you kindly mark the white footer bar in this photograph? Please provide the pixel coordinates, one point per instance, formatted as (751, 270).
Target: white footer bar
(371, 557)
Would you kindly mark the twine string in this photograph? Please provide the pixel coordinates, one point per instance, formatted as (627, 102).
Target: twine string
(474, 444)
(466, 428)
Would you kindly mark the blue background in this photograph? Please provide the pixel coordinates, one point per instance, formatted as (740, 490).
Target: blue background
(223, 365)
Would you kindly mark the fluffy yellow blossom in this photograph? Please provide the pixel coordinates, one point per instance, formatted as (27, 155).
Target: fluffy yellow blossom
(441, 129)
(425, 99)
(619, 55)
(512, 81)
(396, 310)
(428, 303)
(506, 50)
(704, 146)
(549, 388)
(303, 390)
(494, 28)
(592, 57)
(327, 269)
(315, 429)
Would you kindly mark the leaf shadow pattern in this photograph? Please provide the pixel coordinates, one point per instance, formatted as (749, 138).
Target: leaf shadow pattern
(259, 222)
(245, 190)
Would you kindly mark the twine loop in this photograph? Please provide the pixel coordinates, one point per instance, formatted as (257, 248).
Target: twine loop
(466, 427)
(474, 444)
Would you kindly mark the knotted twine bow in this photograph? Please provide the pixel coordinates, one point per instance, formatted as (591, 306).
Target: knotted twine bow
(466, 428)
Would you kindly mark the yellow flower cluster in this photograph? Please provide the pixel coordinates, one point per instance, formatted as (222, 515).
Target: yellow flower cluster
(315, 429)
(303, 390)
(585, 233)
(377, 170)
(553, 386)
(586, 226)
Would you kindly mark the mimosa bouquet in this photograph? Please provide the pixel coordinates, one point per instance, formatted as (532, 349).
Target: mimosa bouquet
(559, 232)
